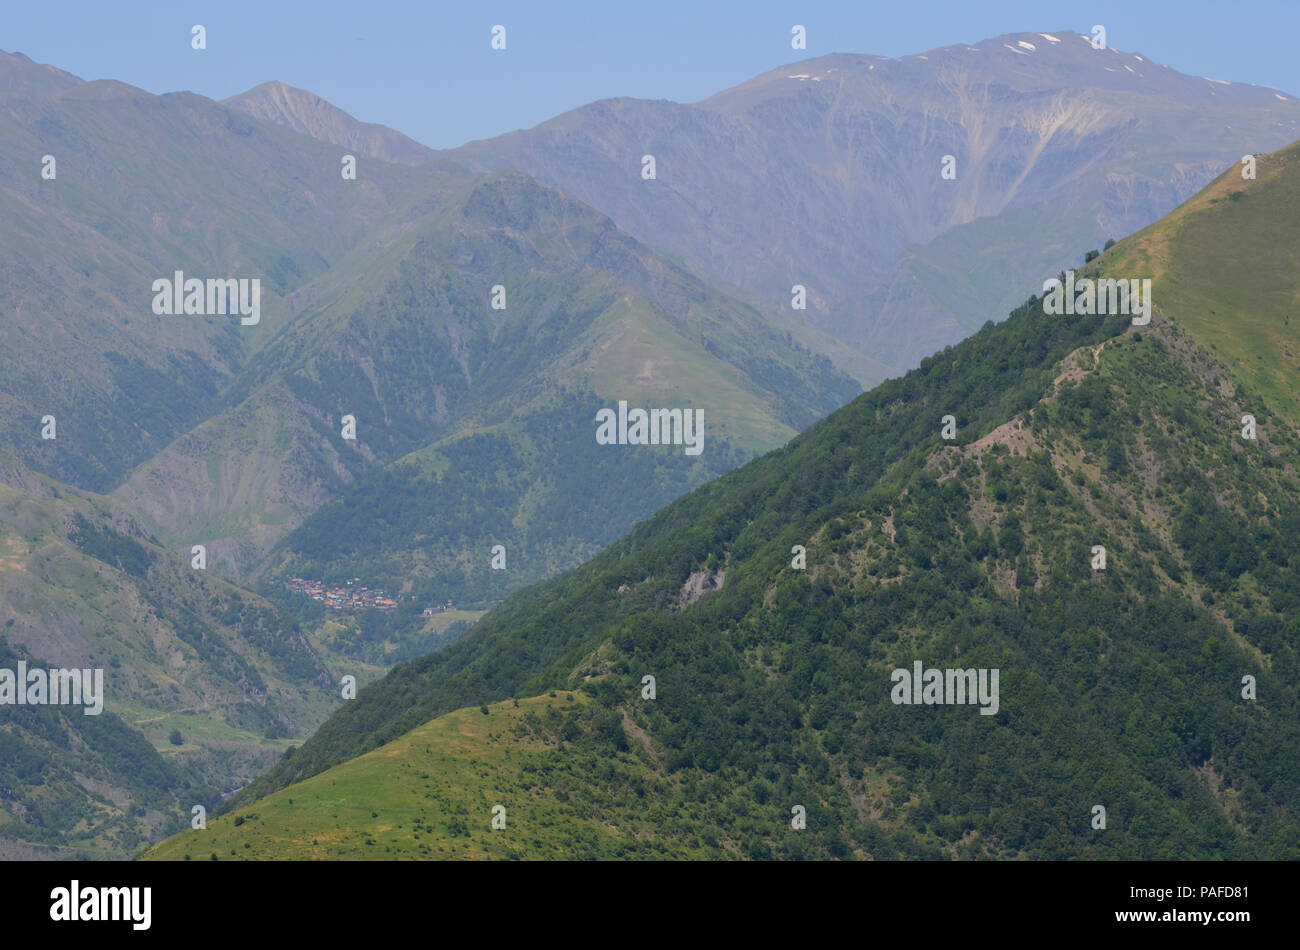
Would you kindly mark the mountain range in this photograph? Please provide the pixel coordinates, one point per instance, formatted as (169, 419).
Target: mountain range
(188, 430)
(415, 409)
(694, 686)
(828, 173)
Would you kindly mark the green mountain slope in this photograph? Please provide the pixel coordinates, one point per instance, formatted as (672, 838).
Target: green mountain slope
(1120, 687)
(1225, 263)
(412, 349)
(427, 525)
(431, 793)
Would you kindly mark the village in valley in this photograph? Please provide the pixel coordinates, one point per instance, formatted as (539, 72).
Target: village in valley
(353, 596)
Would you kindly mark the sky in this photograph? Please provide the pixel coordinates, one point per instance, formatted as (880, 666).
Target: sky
(427, 68)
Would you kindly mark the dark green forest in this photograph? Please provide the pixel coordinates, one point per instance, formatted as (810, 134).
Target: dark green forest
(541, 487)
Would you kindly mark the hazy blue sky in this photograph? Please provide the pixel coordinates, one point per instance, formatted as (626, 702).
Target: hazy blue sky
(426, 68)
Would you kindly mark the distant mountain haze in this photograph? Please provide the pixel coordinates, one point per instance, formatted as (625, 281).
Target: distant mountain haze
(827, 173)
(311, 115)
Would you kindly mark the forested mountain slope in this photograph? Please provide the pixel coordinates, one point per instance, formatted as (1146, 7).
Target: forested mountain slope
(1123, 687)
